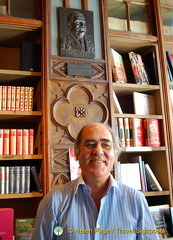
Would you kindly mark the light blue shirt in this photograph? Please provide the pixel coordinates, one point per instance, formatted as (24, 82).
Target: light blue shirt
(123, 214)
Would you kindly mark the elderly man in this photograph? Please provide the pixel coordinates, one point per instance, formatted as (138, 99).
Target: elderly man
(95, 206)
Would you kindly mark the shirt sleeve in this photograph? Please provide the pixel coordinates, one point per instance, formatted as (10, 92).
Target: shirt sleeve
(146, 229)
(46, 220)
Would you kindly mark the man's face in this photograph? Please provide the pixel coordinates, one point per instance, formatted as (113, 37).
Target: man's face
(78, 26)
(97, 154)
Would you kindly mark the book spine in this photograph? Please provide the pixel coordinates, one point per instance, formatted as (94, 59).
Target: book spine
(146, 136)
(154, 132)
(1, 97)
(121, 131)
(6, 142)
(22, 98)
(131, 132)
(2, 180)
(4, 97)
(25, 142)
(36, 179)
(19, 138)
(22, 179)
(31, 98)
(1, 141)
(26, 98)
(12, 141)
(8, 98)
(127, 132)
(17, 106)
(7, 180)
(13, 98)
(27, 179)
(11, 179)
(138, 132)
(16, 179)
(31, 142)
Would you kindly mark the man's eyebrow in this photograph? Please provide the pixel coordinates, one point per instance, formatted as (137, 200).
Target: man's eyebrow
(93, 140)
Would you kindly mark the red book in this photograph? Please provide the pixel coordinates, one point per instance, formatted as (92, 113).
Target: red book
(13, 98)
(1, 141)
(4, 97)
(31, 142)
(154, 132)
(127, 132)
(12, 141)
(131, 132)
(7, 223)
(25, 141)
(17, 98)
(6, 143)
(8, 98)
(19, 133)
(146, 136)
(138, 132)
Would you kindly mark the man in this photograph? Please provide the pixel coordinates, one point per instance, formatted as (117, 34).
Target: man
(76, 39)
(95, 206)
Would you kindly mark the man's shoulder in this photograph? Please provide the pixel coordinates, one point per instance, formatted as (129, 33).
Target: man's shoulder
(126, 190)
(69, 186)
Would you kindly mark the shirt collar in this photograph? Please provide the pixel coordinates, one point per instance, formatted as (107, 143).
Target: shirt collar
(112, 183)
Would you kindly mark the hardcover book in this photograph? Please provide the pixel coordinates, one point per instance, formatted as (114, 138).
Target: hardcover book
(36, 179)
(154, 132)
(138, 132)
(143, 104)
(138, 68)
(119, 74)
(152, 182)
(121, 131)
(117, 107)
(7, 223)
(127, 132)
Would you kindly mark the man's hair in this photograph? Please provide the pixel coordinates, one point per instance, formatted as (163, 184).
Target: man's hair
(71, 16)
(115, 139)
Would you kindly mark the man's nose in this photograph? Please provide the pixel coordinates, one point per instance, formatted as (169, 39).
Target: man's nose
(98, 149)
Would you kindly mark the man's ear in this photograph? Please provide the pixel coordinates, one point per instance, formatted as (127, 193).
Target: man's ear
(69, 25)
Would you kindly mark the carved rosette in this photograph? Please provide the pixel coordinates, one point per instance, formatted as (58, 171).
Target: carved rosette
(76, 109)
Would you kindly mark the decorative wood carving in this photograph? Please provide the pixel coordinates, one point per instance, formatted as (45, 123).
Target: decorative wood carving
(59, 70)
(77, 108)
(59, 179)
(60, 159)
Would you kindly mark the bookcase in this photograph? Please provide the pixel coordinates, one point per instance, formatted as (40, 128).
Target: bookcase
(21, 24)
(132, 28)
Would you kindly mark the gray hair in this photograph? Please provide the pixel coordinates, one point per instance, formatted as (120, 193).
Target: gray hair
(115, 139)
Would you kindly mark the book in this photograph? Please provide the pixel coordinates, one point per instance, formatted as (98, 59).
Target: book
(154, 132)
(16, 178)
(169, 62)
(19, 140)
(117, 107)
(2, 180)
(131, 132)
(150, 63)
(25, 141)
(30, 98)
(75, 169)
(11, 179)
(138, 68)
(4, 97)
(7, 180)
(138, 159)
(161, 217)
(17, 98)
(31, 142)
(13, 98)
(119, 74)
(0, 97)
(22, 96)
(130, 175)
(127, 132)
(152, 182)
(1, 140)
(22, 179)
(7, 223)
(143, 104)
(12, 142)
(36, 179)
(24, 228)
(6, 142)
(138, 133)
(121, 131)
(8, 107)
(27, 179)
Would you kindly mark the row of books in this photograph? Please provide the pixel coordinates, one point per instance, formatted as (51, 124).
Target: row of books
(16, 98)
(143, 68)
(137, 174)
(16, 141)
(17, 179)
(138, 132)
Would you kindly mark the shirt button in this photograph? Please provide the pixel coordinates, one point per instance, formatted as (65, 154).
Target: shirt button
(98, 225)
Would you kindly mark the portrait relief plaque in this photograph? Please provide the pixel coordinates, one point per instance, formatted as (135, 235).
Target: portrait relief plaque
(76, 33)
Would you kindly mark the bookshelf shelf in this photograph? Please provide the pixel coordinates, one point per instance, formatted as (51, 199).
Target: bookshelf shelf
(156, 193)
(20, 157)
(26, 116)
(137, 116)
(21, 195)
(142, 149)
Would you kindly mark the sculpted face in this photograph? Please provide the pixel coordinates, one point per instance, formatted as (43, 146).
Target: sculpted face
(96, 155)
(78, 26)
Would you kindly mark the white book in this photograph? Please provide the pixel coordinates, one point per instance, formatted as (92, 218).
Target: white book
(152, 182)
(6, 180)
(143, 104)
(2, 180)
(117, 107)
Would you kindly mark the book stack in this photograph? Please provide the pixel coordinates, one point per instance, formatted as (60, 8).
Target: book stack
(16, 98)
(14, 179)
(24, 228)
(138, 132)
(138, 175)
(16, 141)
